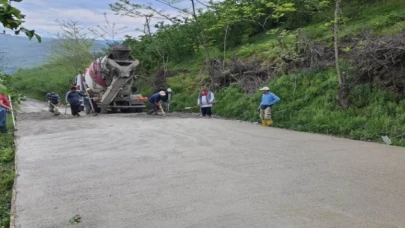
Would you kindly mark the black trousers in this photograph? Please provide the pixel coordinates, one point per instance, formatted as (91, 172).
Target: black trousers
(75, 109)
(206, 111)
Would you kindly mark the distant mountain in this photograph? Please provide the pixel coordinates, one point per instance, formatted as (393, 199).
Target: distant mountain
(19, 52)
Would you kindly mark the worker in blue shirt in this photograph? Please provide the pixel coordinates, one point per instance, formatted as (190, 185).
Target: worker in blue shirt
(73, 99)
(268, 99)
(53, 102)
(154, 102)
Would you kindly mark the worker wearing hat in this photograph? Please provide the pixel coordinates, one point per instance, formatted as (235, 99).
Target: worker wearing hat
(53, 102)
(268, 100)
(154, 101)
(166, 100)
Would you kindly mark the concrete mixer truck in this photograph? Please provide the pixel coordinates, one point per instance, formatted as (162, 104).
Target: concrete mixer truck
(112, 76)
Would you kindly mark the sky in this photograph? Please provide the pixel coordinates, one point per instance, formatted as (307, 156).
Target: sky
(41, 15)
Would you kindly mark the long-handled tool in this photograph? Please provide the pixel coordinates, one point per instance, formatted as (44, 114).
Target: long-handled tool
(58, 109)
(92, 107)
(12, 112)
(187, 108)
(161, 108)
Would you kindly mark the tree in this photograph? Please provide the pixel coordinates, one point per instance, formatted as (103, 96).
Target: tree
(72, 45)
(12, 18)
(200, 32)
(106, 32)
(127, 8)
(343, 93)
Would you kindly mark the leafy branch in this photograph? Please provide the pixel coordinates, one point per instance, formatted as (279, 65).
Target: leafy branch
(12, 18)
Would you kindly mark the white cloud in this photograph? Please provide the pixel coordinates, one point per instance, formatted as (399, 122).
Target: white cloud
(41, 15)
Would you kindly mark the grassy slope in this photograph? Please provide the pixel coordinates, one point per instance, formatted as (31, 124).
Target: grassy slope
(313, 107)
(36, 82)
(6, 176)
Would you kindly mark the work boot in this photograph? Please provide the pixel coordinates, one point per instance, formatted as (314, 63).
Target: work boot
(264, 123)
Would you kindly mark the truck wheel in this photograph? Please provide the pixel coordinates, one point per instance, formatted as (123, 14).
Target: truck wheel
(125, 110)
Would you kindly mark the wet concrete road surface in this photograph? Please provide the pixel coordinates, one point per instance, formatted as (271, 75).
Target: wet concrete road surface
(123, 172)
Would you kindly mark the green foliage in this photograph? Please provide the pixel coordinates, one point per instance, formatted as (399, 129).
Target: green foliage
(5, 87)
(12, 18)
(308, 104)
(308, 98)
(71, 53)
(6, 175)
(226, 24)
(36, 82)
(379, 18)
(72, 48)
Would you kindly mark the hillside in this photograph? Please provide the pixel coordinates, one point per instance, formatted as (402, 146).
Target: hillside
(294, 56)
(19, 52)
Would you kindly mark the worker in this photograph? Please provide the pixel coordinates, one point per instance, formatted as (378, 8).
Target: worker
(73, 98)
(94, 97)
(268, 100)
(5, 107)
(205, 101)
(90, 97)
(166, 100)
(154, 101)
(53, 102)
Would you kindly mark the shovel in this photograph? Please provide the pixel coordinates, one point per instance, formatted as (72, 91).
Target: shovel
(92, 107)
(188, 108)
(161, 108)
(59, 112)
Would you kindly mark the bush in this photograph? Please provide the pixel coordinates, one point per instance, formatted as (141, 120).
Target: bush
(308, 103)
(6, 176)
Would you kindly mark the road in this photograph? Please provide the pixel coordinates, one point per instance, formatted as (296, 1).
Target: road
(131, 171)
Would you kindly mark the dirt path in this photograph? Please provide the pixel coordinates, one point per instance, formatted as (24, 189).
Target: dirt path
(130, 171)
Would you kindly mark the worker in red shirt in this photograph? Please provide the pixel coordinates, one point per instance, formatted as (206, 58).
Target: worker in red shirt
(4, 108)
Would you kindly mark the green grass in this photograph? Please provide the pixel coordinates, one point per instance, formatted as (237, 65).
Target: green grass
(6, 176)
(308, 99)
(380, 18)
(313, 108)
(36, 82)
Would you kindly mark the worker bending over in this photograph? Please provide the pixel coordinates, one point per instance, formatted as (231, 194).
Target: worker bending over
(73, 98)
(154, 102)
(205, 101)
(166, 100)
(92, 97)
(268, 99)
(4, 108)
(53, 102)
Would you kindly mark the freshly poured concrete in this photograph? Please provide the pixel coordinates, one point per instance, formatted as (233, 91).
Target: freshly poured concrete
(134, 171)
